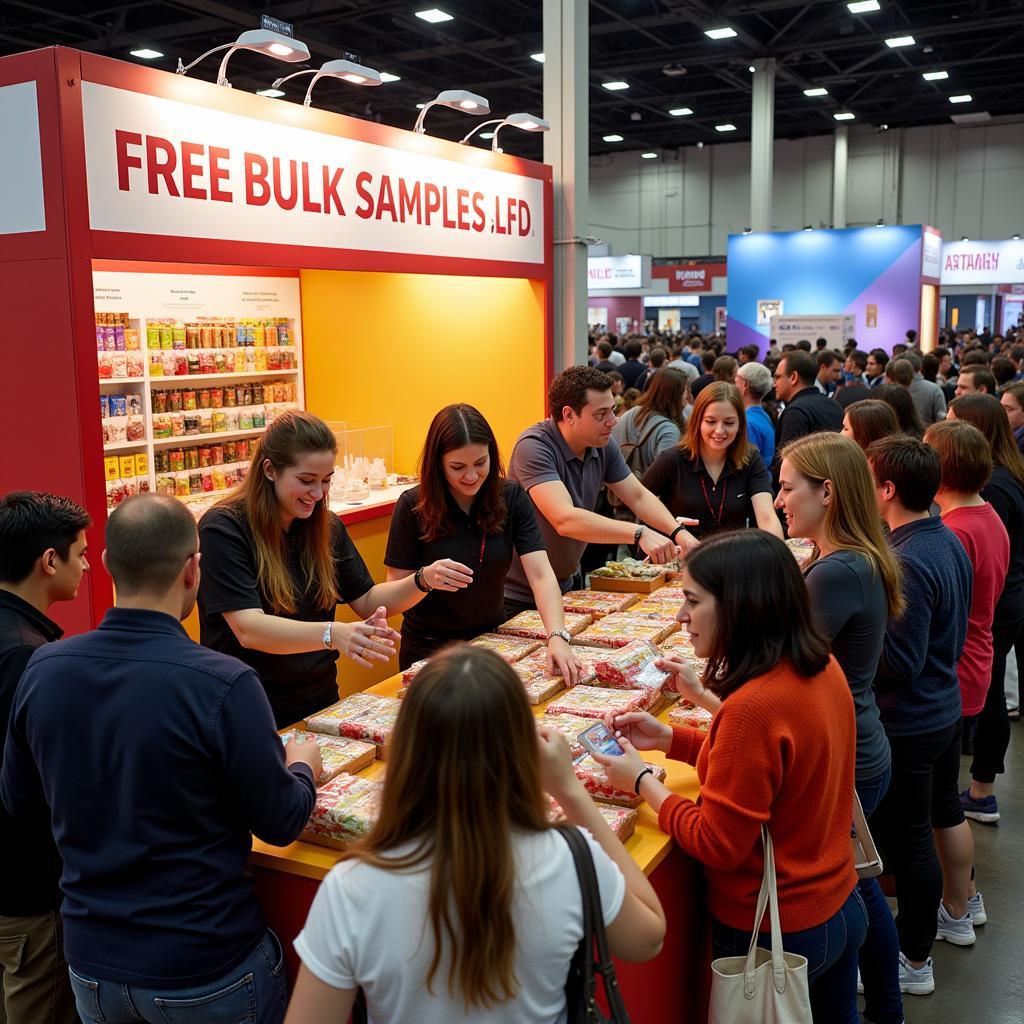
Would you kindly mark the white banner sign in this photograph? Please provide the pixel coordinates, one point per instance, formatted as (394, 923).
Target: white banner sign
(931, 256)
(21, 167)
(984, 263)
(157, 166)
(608, 272)
(834, 329)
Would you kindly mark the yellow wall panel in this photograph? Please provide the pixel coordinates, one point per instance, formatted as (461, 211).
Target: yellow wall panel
(395, 348)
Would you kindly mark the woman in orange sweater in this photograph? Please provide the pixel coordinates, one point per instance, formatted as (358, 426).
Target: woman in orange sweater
(780, 753)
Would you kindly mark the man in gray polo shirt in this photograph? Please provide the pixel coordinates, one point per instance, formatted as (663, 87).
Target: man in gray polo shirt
(562, 463)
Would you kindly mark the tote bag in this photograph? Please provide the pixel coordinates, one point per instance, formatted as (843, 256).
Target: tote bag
(765, 986)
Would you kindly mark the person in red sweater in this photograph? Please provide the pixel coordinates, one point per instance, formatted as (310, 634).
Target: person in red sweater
(966, 460)
(780, 753)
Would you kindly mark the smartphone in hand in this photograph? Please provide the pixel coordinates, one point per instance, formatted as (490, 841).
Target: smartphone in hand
(598, 740)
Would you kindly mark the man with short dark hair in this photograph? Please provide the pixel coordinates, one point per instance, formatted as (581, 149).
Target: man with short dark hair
(807, 409)
(562, 463)
(899, 371)
(42, 559)
(158, 760)
(708, 361)
(829, 369)
(899, 349)
(804, 345)
(655, 362)
(874, 368)
(855, 388)
(604, 363)
(1003, 370)
(747, 354)
(821, 344)
(632, 369)
(919, 695)
(975, 379)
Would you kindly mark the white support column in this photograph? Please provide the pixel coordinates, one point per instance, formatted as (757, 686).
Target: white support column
(762, 141)
(567, 150)
(840, 164)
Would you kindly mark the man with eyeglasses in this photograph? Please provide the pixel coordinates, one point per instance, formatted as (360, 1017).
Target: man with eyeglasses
(562, 463)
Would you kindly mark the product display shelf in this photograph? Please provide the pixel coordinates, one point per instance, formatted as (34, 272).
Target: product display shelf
(226, 378)
(217, 435)
(147, 383)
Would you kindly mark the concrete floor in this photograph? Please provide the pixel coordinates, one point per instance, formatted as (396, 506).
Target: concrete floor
(984, 983)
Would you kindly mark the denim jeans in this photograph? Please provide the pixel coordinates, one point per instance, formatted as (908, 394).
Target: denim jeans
(255, 992)
(880, 954)
(831, 950)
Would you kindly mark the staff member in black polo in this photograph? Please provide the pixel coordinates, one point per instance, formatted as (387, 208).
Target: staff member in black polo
(714, 475)
(807, 409)
(456, 532)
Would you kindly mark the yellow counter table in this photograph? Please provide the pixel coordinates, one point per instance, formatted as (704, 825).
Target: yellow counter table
(673, 987)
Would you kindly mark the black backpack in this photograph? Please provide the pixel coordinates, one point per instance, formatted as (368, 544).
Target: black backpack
(632, 453)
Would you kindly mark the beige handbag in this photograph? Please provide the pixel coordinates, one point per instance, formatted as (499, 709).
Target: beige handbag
(865, 853)
(763, 987)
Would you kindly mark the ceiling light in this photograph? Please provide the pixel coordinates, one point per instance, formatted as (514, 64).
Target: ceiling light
(487, 135)
(748, 231)
(680, 111)
(863, 6)
(843, 116)
(963, 98)
(386, 76)
(720, 33)
(1016, 236)
(611, 138)
(816, 91)
(880, 223)
(896, 41)
(420, 106)
(648, 156)
(935, 76)
(725, 127)
(346, 70)
(434, 16)
(259, 40)
(751, 68)
(538, 57)
(146, 53)
(457, 99)
(964, 238)
(807, 227)
(271, 93)
(615, 86)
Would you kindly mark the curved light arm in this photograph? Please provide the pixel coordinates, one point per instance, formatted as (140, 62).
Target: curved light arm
(278, 82)
(185, 68)
(463, 142)
(418, 126)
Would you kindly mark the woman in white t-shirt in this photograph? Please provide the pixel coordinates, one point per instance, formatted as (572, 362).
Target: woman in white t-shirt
(463, 904)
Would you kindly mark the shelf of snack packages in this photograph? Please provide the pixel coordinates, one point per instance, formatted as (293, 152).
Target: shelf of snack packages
(183, 401)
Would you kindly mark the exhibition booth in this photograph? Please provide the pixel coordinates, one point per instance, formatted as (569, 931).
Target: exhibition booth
(884, 279)
(184, 261)
(983, 284)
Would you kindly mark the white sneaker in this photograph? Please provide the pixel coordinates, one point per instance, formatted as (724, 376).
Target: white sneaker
(860, 984)
(958, 930)
(976, 908)
(916, 981)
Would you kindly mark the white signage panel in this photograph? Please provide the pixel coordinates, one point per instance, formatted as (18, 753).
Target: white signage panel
(158, 166)
(834, 329)
(931, 256)
(984, 263)
(609, 272)
(21, 166)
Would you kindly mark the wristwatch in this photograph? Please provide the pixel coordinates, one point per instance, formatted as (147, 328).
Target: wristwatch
(328, 643)
(563, 633)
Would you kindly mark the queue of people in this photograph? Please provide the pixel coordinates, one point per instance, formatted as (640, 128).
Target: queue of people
(860, 675)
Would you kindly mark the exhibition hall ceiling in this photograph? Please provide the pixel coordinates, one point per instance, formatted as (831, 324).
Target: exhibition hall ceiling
(658, 80)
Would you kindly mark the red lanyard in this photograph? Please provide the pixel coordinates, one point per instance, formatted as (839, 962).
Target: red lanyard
(483, 545)
(707, 501)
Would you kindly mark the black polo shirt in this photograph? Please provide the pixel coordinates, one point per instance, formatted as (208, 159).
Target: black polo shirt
(443, 616)
(846, 396)
(296, 684)
(684, 486)
(30, 866)
(808, 412)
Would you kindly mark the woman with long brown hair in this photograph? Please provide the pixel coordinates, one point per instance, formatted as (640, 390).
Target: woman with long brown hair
(868, 420)
(464, 521)
(1005, 493)
(714, 474)
(463, 902)
(903, 405)
(855, 585)
(276, 564)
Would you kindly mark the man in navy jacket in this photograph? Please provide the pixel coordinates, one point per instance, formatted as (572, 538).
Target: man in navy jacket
(157, 759)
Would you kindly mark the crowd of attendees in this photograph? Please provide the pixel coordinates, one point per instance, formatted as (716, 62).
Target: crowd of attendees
(863, 675)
